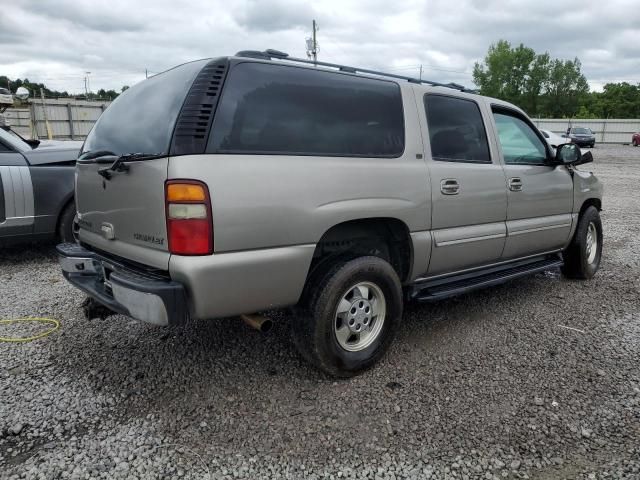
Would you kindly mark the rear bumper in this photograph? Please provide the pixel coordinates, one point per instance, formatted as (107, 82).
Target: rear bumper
(122, 289)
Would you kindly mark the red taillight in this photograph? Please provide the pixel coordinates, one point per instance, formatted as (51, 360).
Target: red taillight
(189, 222)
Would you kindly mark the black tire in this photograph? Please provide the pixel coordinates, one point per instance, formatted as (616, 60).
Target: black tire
(593, 145)
(576, 258)
(314, 333)
(66, 224)
(635, 142)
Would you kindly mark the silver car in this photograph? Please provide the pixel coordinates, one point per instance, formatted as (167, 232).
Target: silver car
(241, 184)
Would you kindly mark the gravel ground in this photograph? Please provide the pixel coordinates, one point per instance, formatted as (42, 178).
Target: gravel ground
(535, 379)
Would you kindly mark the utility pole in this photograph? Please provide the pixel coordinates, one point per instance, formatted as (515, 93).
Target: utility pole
(314, 52)
(146, 73)
(312, 44)
(44, 114)
(420, 71)
(87, 85)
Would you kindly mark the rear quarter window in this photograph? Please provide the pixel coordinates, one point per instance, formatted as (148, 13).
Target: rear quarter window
(276, 109)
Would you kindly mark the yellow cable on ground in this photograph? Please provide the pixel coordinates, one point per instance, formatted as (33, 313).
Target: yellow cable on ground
(51, 321)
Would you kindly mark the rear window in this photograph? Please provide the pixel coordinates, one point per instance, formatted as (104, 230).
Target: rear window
(142, 118)
(296, 111)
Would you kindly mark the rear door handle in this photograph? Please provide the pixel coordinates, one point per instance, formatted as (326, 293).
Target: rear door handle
(449, 186)
(515, 184)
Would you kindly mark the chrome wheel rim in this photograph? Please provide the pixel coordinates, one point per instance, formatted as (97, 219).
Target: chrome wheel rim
(591, 243)
(360, 316)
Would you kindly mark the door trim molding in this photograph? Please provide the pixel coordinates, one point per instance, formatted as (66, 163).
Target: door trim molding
(470, 239)
(538, 229)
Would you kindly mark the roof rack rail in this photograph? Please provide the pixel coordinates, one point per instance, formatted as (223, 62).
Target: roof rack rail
(278, 55)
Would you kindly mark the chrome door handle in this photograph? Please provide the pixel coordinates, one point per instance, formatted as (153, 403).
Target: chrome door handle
(515, 184)
(449, 186)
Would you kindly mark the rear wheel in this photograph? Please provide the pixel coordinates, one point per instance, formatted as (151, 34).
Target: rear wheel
(582, 257)
(351, 318)
(635, 142)
(66, 224)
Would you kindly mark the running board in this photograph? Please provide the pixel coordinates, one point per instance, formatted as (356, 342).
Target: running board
(429, 290)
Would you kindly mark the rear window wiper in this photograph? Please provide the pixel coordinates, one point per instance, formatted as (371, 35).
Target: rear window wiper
(119, 163)
(97, 155)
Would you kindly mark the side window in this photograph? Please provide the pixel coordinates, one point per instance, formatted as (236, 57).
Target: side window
(456, 130)
(297, 111)
(520, 144)
(4, 148)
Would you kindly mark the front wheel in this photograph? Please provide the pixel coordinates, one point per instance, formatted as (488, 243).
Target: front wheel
(582, 257)
(635, 142)
(66, 224)
(351, 318)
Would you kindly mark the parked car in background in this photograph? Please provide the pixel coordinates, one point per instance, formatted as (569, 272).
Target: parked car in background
(635, 139)
(36, 189)
(553, 139)
(581, 136)
(257, 181)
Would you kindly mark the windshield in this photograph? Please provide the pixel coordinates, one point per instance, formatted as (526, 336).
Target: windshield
(581, 131)
(142, 118)
(14, 141)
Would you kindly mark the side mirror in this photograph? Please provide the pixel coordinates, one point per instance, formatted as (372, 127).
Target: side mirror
(570, 154)
(563, 135)
(586, 158)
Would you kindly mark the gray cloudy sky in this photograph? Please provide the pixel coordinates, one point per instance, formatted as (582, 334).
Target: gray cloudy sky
(57, 41)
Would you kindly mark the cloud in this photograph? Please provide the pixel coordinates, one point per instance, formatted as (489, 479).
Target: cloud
(97, 15)
(116, 40)
(274, 16)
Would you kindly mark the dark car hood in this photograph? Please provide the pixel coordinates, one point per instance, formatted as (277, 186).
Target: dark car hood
(60, 144)
(51, 154)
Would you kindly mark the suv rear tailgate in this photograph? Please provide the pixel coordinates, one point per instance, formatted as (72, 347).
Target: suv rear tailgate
(125, 215)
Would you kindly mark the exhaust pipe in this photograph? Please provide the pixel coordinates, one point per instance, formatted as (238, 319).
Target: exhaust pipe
(257, 322)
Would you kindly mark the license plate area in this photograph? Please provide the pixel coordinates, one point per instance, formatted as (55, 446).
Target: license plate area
(105, 270)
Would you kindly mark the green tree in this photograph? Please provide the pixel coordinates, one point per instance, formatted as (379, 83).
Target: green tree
(617, 100)
(566, 89)
(535, 82)
(103, 94)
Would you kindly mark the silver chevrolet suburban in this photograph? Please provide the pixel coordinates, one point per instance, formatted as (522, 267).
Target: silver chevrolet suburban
(241, 184)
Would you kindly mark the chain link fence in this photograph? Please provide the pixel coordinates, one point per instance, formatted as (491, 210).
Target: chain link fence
(70, 119)
(608, 130)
